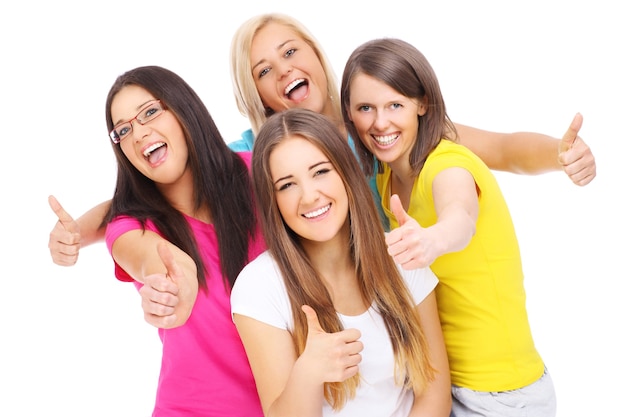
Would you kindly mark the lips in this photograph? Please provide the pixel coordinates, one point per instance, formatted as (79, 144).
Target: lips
(316, 213)
(293, 85)
(155, 152)
(385, 140)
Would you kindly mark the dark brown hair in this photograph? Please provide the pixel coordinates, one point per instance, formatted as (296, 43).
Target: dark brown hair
(221, 178)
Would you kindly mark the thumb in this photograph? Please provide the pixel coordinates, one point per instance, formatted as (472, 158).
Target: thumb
(572, 132)
(65, 219)
(312, 320)
(174, 272)
(396, 208)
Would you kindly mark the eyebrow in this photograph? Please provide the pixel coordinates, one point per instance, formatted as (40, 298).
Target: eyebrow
(279, 47)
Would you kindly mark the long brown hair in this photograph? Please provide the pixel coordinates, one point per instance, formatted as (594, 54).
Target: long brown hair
(380, 282)
(221, 178)
(405, 69)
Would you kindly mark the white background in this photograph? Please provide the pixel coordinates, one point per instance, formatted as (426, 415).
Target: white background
(73, 340)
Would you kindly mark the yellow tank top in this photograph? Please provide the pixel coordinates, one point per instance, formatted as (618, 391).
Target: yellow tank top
(481, 296)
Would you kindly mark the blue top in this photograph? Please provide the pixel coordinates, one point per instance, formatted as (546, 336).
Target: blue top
(246, 142)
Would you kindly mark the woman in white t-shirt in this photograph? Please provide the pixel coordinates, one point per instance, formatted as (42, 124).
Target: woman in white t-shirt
(330, 324)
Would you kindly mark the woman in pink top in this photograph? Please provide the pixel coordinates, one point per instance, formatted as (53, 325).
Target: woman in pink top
(182, 219)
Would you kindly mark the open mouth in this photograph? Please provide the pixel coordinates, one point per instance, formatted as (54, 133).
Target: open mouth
(295, 90)
(316, 213)
(385, 140)
(155, 152)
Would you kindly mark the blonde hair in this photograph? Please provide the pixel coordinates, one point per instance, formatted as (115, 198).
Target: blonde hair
(246, 95)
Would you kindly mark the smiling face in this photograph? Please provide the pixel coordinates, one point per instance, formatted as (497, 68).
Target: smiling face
(157, 148)
(309, 192)
(286, 71)
(386, 121)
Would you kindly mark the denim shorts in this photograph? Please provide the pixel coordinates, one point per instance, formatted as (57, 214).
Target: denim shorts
(535, 400)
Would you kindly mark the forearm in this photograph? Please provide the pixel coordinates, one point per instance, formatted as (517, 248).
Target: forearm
(453, 231)
(526, 153)
(301, 396)
(90, 223)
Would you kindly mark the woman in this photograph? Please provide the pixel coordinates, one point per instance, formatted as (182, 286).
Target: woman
(330, 325)
(447, 211)
(264, 92)
(167, 228)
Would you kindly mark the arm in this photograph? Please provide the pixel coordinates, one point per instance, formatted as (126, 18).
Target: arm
(456, 205)
(158, 264)
(435, 399)
(294, 386)
(533, 153)
(69, 235)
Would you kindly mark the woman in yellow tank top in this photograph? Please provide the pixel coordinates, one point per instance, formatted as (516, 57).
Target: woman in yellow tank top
(445, 205)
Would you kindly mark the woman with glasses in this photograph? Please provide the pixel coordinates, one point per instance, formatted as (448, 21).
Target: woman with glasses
(179, 194)
(260, 90)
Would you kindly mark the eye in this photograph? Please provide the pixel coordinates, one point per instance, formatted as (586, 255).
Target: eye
(284, 186)
(396, 105)
(151, 112)
(364, 108)
(321, 171)
(290, 52)
(123, 130)
(263, 72)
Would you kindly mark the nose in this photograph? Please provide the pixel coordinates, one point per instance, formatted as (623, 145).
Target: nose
(284, 69)
(381, 121)
(309, 193)
(139, 131)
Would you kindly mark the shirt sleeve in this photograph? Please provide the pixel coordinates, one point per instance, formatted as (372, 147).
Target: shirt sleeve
(420, 282)
(114, 230)
(259, 293)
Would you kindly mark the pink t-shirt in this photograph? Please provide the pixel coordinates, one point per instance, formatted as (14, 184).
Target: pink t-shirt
(204, 369)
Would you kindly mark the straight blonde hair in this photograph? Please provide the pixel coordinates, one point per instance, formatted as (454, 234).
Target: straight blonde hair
(247, 97)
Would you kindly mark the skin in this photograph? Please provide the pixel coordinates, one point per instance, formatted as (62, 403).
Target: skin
(387, 123)
(279, 56)
(313, 202)
(135, 251)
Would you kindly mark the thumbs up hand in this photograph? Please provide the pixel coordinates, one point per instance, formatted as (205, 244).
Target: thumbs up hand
(575, 156)
(64, 241)
(410, 245)
(160, 293)
(330, 357)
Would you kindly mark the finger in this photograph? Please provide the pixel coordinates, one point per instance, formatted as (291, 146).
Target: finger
(572, 132)
(173, 270)
(65, 219)
(312, 320)
(396, 208)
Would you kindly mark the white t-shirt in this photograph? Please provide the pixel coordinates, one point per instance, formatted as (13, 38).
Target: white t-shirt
(259, 292)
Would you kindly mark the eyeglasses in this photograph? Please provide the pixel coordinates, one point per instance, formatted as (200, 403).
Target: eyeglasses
(150, 112)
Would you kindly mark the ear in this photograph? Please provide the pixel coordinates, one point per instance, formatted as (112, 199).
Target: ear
(422, 106)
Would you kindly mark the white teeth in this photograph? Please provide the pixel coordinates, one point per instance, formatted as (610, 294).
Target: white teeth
(151, 148)
(385, 140)
(293, 85)
(317, 212)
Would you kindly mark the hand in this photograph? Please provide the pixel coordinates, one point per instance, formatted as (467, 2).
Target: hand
(334, 356)
(410, 245)
(64, 242)
(159, 293)
(575, 156)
